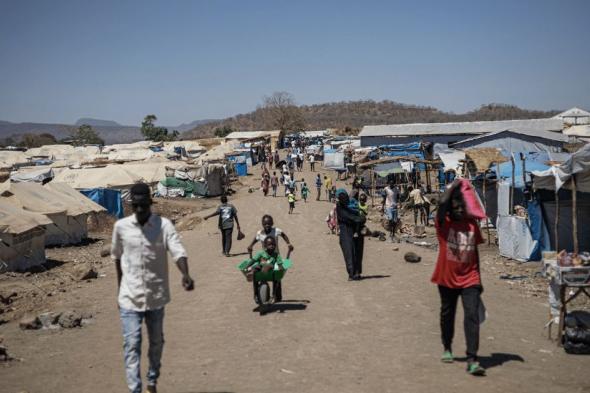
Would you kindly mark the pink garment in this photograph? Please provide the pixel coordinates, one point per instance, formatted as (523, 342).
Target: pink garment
(473, 207)
(332, 219)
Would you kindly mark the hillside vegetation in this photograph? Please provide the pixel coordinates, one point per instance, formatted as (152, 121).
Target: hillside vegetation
(353, 115)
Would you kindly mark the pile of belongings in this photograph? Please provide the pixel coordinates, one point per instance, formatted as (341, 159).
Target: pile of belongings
(576, 339)
(181, 183)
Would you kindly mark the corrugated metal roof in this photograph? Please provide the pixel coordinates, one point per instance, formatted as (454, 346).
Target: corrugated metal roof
(552, 136)
(251, 134)
(476, 127)
(573, 112)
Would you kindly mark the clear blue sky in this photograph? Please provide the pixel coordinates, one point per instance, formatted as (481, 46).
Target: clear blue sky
(189, 60)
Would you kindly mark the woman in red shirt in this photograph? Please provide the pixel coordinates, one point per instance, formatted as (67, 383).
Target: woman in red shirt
(457, 268)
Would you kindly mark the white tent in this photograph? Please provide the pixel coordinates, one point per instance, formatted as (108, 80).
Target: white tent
(558, 177)
(22, 239)
(110, 176)
(68, 218)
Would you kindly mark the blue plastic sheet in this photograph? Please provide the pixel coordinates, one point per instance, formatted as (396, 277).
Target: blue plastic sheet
(538, 230)
(108, 198)
(241, 169)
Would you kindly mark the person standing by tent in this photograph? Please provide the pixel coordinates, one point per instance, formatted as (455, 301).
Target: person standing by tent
(139, 247)
(418, 200)
(457, 272)
(227, 214)
(277, 158)
(318, 186)
(349, 220)
(312, 162)
(390, 205)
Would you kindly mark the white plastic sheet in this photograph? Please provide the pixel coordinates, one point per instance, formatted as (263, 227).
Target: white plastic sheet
(514, 238)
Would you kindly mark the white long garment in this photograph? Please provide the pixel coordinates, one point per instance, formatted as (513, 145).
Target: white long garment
(144, 263)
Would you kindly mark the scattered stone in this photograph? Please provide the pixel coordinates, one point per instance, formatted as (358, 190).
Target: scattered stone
(412, 257)
(71, 319)
(48, 320)
(88, 274)
(105, 251)
(395, 248)
(29, 323)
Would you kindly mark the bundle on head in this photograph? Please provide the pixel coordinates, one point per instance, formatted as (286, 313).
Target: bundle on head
(460, 189)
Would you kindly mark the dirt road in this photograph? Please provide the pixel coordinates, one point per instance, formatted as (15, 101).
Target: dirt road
(377, 335)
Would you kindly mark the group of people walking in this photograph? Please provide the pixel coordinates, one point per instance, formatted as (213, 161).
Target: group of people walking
(140, 243)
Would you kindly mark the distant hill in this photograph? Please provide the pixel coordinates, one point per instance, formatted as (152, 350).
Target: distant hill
(189, 126)
(356, 114)
(97, 122)
(115, 134)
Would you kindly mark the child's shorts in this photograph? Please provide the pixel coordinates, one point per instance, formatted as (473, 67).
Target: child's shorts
(292, 205)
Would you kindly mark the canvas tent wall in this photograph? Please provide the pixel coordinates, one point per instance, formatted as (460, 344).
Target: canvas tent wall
(22, 239)
(35, 174)
(68, 218)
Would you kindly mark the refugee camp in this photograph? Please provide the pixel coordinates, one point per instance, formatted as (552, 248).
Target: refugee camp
(375, 197)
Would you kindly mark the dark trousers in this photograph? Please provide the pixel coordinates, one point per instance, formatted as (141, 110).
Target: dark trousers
(470, 297)
(226, 240)
(352, 250)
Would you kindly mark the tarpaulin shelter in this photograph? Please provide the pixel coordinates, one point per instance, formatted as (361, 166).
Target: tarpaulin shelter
(36, 175)
(22, 238)
(570, 185)
(109, 199)
(517, 141)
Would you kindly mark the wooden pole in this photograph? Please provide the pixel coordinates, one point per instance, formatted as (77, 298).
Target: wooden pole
(556, 226)
(485, 207)
(523, 159)
(373, 187)
(574, 213)
(513, 186)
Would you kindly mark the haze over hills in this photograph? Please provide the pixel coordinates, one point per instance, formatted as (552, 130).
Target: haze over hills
(356, 114)
(349, 114)
(97, 122)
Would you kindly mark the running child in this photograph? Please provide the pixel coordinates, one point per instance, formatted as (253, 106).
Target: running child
(291, 199)
(268, 229)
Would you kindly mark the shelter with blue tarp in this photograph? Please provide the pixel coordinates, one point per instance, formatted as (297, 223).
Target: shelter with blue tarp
(108, 198)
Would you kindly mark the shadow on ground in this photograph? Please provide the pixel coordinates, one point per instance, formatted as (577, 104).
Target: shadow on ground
(495, 359)
(285, 305)
(374, 276)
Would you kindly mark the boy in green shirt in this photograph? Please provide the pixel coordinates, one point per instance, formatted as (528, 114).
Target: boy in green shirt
(267, 265)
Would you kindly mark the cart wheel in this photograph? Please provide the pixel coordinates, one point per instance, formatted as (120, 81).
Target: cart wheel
(263, 297)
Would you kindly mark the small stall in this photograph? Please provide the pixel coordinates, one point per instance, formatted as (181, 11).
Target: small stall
(569, 270)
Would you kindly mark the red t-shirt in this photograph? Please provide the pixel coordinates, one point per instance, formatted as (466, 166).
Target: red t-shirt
(457, 263)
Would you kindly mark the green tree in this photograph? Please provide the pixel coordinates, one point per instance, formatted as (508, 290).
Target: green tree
(153, 133)
(37, 140)
(85, 135)
(223, 131)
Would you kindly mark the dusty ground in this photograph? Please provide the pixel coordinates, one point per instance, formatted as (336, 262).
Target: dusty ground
(377, 335)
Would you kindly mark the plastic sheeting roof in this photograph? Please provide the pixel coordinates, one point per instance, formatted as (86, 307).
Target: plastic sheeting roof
(557, 177)
(476, 127)
(36, 198)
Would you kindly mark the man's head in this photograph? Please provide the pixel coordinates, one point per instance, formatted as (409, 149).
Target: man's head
(267, 223)
(223, 199)
(141, 202)
(363, 198)
(270, 244)
(325, 177)
(391, 184)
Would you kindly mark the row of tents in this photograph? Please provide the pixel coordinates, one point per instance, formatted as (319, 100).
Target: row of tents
(33, 216)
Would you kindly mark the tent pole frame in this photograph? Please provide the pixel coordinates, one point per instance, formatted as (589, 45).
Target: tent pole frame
(574, 212)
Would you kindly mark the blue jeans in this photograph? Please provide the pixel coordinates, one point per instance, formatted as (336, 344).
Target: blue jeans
(391, 213)
(131, 326)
